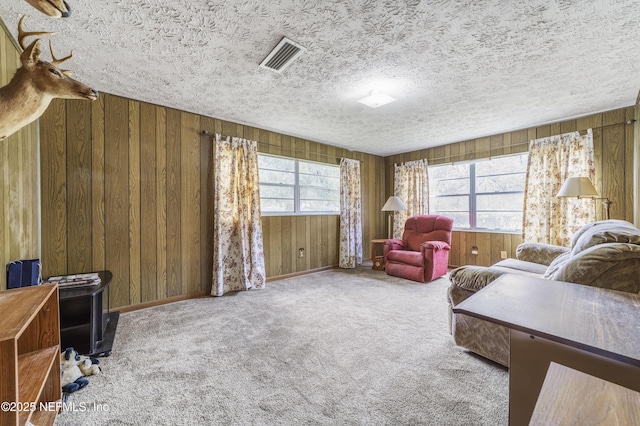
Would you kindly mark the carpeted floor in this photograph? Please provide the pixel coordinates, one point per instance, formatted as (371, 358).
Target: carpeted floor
(337, 347)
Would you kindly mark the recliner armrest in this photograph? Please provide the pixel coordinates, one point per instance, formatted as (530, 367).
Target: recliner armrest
(434, 245)
(393, 244)
(540, 253)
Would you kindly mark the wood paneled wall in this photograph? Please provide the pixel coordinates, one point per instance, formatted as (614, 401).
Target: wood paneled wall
(19, 178)
(613, 151)
(127, 186)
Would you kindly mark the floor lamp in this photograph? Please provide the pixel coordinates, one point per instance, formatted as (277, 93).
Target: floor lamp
(581, 187)
(393, 204)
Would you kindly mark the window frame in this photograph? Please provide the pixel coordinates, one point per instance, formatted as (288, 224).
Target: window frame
(296, 189)
(473, 194)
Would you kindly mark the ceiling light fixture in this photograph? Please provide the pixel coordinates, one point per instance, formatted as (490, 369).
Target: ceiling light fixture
(377, 99)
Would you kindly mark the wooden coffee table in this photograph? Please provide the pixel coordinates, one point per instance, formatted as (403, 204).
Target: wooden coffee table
(589, 329)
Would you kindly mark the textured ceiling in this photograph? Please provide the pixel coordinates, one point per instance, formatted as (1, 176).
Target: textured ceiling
(460, 69)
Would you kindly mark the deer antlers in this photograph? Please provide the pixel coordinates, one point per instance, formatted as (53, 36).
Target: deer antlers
(55, 60)
(22, 35)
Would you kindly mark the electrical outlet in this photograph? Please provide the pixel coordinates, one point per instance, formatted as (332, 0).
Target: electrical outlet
(474, 250)
(503, 254)
(301, 252)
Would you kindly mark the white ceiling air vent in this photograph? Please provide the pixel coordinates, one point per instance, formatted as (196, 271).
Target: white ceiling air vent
(282, 55)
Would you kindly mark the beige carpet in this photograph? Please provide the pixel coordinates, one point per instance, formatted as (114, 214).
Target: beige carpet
(339, 347)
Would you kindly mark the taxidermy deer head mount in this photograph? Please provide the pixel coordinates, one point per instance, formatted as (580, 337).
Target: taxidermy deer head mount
(52, 8)
(35, 84)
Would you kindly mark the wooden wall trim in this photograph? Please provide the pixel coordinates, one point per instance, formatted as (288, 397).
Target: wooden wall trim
(10, 40)
(151, 304)
(301, 273)
(198, 294)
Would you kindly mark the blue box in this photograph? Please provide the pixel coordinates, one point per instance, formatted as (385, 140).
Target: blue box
(23, 273)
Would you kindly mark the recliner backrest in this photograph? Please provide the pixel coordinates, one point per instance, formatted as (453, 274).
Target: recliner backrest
(418, 229)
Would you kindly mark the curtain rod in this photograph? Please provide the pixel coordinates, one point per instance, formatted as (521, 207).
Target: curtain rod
(489, 150)
(207, 133)
(582, 133)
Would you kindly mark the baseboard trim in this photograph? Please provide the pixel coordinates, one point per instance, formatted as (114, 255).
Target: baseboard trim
(153, 303)
(144, 305)
(297, 274)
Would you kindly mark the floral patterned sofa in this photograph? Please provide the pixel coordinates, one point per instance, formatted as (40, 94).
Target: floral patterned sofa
(602, 254)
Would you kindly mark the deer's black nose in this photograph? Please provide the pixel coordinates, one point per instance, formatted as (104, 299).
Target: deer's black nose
(68, 12)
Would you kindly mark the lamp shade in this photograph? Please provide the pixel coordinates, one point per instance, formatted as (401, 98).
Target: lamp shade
(577, 187)
(394, 204)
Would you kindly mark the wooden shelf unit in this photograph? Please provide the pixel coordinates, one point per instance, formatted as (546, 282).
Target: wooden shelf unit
(29, 354)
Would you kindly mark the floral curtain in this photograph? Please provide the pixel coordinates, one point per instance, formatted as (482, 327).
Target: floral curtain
(547, 218)
(411, 184)
(350, 214)
(238, 254)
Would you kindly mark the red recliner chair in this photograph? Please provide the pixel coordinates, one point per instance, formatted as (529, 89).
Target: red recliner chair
(423, 252)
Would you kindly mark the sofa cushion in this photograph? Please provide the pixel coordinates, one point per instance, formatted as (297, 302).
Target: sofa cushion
(557, 263)
(473, 278)
(508, 265)
(539, 252)
(606, 231)
(613, 266)
(413, 258)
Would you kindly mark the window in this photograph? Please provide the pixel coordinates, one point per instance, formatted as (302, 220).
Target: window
(484, 195)
(289, 186)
